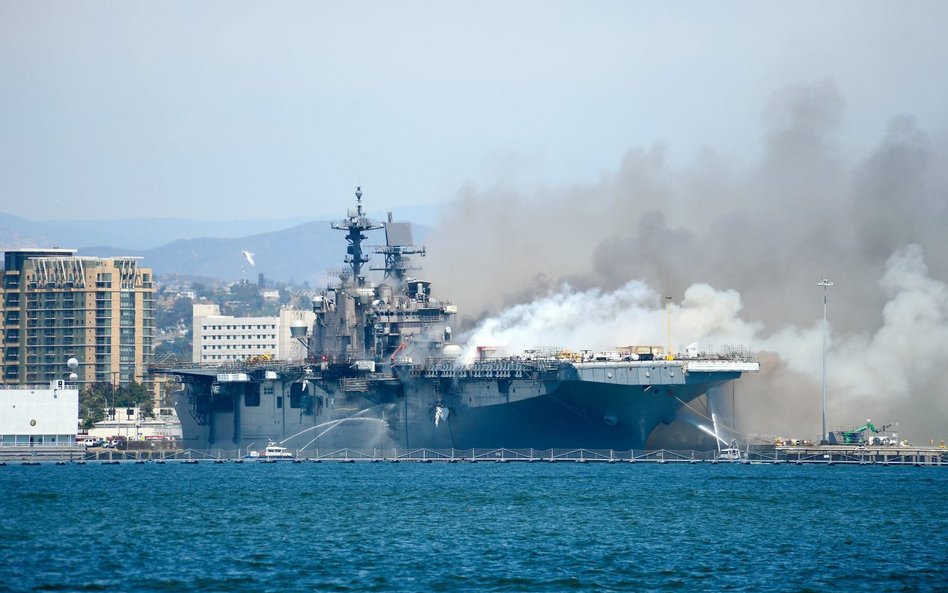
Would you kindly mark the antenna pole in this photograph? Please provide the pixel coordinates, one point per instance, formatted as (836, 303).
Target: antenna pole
(825, 284)
(355, 225)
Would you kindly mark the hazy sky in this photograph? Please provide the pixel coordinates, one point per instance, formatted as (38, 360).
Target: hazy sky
(271, 109)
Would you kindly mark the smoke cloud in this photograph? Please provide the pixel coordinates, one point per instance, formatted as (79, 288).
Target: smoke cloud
(740, 249)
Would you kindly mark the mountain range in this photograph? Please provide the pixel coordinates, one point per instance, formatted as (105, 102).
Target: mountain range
(283, 249)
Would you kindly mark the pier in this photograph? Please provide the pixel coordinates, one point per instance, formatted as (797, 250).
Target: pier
(812, 455)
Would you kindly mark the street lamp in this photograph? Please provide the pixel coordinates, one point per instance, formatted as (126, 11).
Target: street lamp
(825, 284)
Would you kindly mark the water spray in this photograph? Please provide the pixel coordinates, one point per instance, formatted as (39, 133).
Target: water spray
(336, 423)
(710, 432)
(333, 422)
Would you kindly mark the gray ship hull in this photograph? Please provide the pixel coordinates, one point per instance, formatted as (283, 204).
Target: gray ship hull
(575, 415)
(572, 406)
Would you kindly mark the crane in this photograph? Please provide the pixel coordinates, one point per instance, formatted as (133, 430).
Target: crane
(857, 435)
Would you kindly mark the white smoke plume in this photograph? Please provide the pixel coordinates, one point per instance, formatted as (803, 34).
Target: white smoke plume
(740, 250)
(604, 321)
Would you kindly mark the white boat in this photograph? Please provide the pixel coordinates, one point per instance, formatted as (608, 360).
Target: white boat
(732, 453)
(273, 452)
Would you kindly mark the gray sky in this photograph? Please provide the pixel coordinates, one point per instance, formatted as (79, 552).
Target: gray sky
(120, 109)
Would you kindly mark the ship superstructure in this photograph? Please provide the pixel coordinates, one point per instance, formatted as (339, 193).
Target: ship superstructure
(362, 324)
(381, 371)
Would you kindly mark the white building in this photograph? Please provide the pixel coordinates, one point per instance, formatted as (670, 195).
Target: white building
(133, 425)
(39, 416)
(222, 339)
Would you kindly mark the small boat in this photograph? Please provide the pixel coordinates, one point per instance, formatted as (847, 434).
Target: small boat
(732, 453)
(273, 452)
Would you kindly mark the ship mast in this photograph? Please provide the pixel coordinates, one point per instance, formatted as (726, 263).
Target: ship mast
(355, 225)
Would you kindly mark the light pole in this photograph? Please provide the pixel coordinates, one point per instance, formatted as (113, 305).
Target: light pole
(113, 413)
(825, 284)
(668, 315)
(112, 385)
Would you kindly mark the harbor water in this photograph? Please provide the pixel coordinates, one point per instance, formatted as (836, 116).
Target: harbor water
(471, 527)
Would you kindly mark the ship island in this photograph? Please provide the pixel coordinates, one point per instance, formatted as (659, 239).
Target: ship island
(381, 371)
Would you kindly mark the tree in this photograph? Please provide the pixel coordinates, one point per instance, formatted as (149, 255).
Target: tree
(178, 348)
(178, 315)
(202, 291)
(134, 395)
(92, 404)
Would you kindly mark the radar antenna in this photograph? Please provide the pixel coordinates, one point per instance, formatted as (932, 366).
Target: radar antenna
(398, 246)
(355, 225)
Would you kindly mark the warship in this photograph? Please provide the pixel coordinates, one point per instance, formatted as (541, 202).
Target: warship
(381, 371)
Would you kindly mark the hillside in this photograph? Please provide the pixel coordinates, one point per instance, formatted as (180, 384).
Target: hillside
(299, 253)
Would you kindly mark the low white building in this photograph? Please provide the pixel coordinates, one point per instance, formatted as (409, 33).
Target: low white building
(132, 425)
(39, 416)
(222, 339)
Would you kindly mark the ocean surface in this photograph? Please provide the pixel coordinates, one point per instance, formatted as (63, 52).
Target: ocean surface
(472, 527)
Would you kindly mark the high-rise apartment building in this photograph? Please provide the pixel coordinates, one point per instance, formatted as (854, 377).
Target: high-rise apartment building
(57, 305)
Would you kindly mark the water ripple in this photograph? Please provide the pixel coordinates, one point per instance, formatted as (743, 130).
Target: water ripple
(463, 527)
